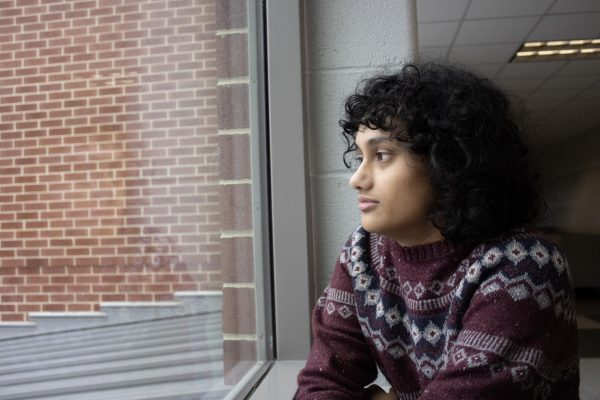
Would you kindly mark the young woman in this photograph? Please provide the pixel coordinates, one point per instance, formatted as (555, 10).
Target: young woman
(443, 286)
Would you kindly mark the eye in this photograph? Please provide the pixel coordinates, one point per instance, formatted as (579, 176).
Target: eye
(383, 155)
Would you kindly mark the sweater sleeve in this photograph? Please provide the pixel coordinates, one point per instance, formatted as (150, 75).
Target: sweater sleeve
(518, 337)
(340, 364)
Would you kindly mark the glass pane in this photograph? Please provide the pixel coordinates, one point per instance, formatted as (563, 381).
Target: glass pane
(128, 226)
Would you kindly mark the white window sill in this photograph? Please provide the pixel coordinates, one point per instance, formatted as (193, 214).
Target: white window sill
(280, 381)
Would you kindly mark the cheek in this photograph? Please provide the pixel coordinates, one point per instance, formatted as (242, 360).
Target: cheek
(416, 193)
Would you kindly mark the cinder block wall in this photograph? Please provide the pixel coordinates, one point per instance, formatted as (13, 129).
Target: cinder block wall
(108, 153)
(345, 42)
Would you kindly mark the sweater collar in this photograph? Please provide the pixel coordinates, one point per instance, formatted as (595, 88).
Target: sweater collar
(424, 253)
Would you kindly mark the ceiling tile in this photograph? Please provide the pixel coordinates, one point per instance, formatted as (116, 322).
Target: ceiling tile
(506, 8)
(570, 82)
(552, 95)
(488, 54)
(500, 30)
(581, 104)
(487, 70)
(545, 105)
(440, 10)
(570, 113)
(592, 93)
(531, 69)
(575, 26)
(433, 53)
(570, 6)
(565, 94)
(522, 86)
(437, 33)
(581, 67)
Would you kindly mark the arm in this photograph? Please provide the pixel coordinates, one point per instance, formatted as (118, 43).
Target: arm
(518, 338)
(340, 364)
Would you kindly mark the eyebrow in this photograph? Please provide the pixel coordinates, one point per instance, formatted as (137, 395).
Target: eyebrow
(377, 140)
(396, 140)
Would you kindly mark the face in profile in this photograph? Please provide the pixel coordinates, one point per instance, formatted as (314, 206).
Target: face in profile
(394, 190)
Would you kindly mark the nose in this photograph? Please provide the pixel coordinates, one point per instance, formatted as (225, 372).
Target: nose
(361, 179)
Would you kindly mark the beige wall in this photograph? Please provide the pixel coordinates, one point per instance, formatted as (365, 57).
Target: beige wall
(573, 179)
(573, 168)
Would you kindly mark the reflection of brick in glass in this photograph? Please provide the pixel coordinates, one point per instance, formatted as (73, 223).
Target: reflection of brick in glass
(112, 124)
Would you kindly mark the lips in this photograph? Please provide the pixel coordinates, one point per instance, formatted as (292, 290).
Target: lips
(366, 203)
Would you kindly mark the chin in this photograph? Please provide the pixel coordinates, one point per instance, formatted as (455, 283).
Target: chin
(372, 228)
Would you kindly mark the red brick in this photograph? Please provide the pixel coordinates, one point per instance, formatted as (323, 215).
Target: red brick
(236, 206)
(49, 109)
(239, 311)
(53, 307)
(12, 317)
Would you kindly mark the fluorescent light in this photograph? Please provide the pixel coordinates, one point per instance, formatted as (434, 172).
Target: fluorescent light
(533, 44)
(526, 53)
(565, 49)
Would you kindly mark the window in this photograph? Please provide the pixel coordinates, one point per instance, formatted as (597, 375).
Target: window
(133, 252)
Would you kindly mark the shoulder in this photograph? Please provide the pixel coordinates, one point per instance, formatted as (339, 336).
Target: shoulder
(522, 251)
(523, 265)
(522, 268)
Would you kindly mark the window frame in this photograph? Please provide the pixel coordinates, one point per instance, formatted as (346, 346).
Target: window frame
(282, 248)
(290, 188)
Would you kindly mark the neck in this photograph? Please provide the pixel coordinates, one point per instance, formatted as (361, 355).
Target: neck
(424, 238)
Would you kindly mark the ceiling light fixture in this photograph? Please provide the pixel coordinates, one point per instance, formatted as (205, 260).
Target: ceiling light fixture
(573, 49)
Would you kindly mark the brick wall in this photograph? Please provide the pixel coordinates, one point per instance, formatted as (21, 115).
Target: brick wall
(239, 289)
(108, 153)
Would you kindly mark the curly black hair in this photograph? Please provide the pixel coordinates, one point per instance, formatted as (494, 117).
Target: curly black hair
(466, 130)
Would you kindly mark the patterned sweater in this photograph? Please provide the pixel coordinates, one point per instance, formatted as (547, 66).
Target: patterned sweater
(441, 321)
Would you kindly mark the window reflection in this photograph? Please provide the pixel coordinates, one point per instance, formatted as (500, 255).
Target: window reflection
(126, 197)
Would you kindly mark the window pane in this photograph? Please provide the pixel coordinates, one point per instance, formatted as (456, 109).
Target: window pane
(129, 185)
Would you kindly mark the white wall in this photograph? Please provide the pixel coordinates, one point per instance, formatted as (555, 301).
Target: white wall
(345, 41)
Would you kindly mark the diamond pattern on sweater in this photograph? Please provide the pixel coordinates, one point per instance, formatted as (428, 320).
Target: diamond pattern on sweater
(492, 257)
(392, 317)
(519, 373)
(522, 287)
(419, 290)
(415, 324)
(432, 333)
(344, 312)
(372, 297)
(357, 268)
(393, 311)
(474, 272)
(477, 359)
(558, 261)
(518, 292)
(363, 281)
(539, 254)
(516, 252)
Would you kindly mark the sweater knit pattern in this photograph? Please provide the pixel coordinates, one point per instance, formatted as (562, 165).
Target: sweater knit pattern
(419, 315)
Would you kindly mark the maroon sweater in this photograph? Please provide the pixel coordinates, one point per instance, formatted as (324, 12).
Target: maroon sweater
(445, 322)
